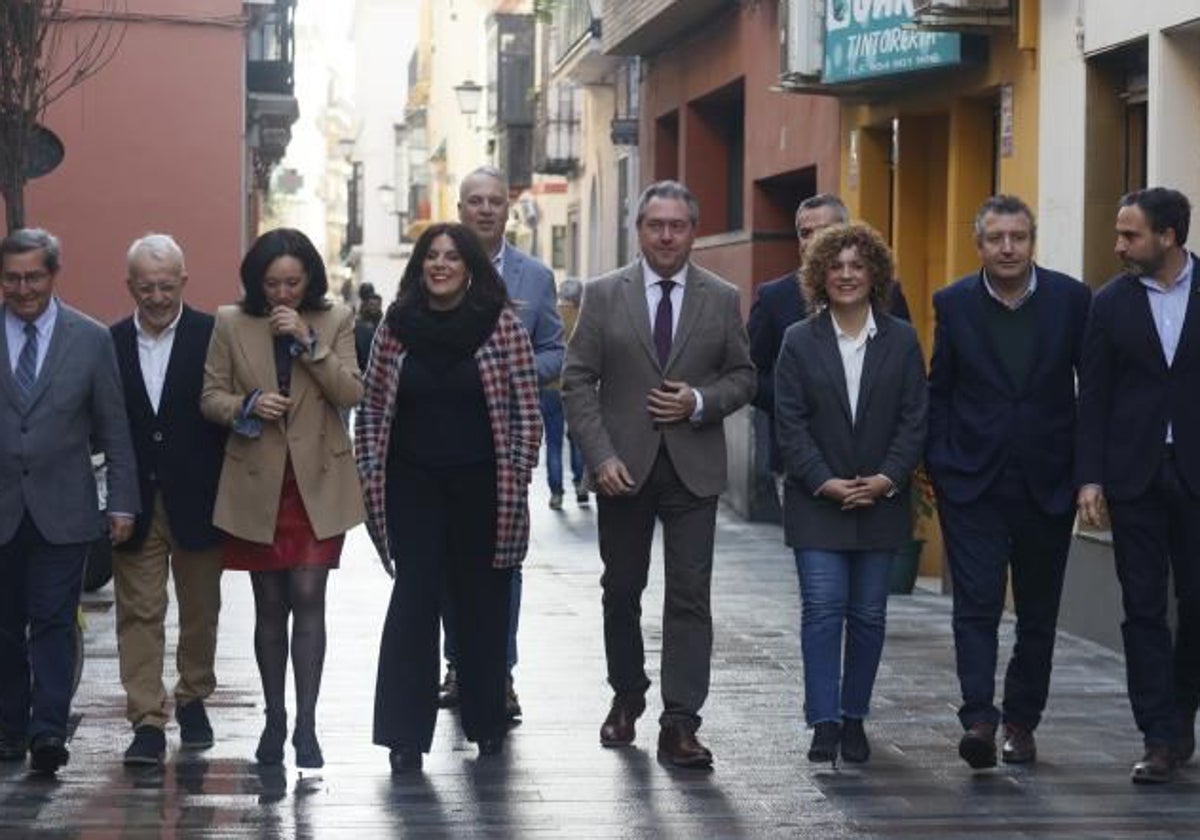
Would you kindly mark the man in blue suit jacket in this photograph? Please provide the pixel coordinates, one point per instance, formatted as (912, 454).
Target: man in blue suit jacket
(60, 395)
(483, 207)
(779, 304)
(1001, 425)
(1138, 463)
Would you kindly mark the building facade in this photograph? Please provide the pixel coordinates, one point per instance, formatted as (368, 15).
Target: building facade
(155, 143)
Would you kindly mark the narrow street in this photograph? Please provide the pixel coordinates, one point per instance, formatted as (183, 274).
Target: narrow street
(555, 780)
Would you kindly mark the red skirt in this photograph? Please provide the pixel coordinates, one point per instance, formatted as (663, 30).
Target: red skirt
(295, 543)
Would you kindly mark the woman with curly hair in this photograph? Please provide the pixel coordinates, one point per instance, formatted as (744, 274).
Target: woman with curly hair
(850, 408)
(448, 434)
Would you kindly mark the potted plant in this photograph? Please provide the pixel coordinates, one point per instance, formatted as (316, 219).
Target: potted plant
(907, 559)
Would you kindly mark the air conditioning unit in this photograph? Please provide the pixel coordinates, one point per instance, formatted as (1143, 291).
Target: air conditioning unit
(802, 36)
(962, 14)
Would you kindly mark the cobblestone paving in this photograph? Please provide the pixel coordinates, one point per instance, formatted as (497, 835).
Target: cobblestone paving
(554, 779)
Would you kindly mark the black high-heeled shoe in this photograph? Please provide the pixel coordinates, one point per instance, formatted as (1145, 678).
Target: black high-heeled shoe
(270, 743)
(405, 760)
(308, 749)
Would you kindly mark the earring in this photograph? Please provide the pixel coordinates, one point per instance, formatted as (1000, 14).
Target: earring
(470, 278)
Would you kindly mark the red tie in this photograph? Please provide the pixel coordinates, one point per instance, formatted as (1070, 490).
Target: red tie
(662, 323)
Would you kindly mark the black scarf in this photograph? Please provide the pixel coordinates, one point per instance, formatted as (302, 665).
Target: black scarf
(442, 339)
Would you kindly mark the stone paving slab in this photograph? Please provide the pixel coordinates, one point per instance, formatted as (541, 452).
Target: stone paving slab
(554, 779)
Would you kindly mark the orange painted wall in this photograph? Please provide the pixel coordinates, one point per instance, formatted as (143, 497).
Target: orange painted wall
(154, 142)
(783, 132)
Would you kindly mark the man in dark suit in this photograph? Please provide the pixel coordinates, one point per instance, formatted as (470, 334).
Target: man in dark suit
(1138, 463)
(658, 359)
(780, 303)
(1001, 427)
(161, 350)
(370, 313)
(60, 395)
(483, 207)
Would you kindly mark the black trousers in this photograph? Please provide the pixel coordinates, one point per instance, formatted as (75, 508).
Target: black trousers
(38, 603)
(1153, 535)
(1004, 529)
(442, 523)
(626, 525)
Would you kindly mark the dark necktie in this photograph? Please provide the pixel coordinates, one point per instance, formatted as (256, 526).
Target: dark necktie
(662, 323)
(26, 371)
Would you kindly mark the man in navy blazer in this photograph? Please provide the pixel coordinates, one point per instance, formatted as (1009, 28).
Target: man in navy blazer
(483, 207)
(1138, 463)
(60, 396)
(780, 303)
(161, 350)
(1002, 417)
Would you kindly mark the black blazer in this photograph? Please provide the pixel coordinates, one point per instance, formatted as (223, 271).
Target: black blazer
(778, 305)
(818, 442)
(979, 418)
(1127, 394)
(179, 453)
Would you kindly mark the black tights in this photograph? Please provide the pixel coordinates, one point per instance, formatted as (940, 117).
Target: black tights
(299, 592)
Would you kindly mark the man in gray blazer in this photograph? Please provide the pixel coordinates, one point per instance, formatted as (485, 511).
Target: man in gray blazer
(483, 207)
(658, 359)
(60, 395)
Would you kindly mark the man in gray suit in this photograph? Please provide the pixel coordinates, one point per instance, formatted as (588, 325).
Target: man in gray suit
(60, 395)
(483, 207)
(658, 359)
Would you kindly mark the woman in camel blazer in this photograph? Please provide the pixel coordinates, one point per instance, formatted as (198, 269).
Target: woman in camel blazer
(280, 371)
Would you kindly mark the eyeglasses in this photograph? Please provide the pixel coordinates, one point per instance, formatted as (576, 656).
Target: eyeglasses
(13, 279)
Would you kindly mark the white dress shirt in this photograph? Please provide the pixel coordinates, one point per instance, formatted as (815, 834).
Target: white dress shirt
(853, 349)
(14, 331)
(154, 354)
(654, 293)
(1019, 302)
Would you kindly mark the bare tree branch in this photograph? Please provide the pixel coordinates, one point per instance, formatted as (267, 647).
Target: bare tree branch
(46, 50)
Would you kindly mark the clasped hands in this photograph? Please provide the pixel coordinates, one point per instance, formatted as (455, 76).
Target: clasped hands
(671, 402)
(287, 321)
(858, 492)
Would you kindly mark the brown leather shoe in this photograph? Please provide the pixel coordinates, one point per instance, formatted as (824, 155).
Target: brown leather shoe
(1156, 767)
(1185, 747)
(1019, 745)
(680, 747)
(978, 746)
(618, 728)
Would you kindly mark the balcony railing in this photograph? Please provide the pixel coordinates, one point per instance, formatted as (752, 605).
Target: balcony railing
(575, 23)
(271, 49)
(556, 133)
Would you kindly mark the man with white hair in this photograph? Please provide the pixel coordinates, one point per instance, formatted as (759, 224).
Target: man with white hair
(160, 351)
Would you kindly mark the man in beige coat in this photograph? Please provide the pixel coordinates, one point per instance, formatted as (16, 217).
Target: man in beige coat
(659, 358)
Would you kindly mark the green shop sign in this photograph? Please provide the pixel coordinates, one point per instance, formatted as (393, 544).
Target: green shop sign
(867, 38)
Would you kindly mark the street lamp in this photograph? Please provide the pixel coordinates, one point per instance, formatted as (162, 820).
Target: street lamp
(469, 96)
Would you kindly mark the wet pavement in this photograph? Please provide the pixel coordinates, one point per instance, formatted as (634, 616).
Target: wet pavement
(554, 779)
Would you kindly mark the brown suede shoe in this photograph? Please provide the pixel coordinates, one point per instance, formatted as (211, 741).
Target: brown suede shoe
(680, 747)
(1156, 767)
(1019, 745)
(618, 728)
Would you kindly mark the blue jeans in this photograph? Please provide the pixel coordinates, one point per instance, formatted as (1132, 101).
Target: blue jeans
(550, 401)
(836, 588)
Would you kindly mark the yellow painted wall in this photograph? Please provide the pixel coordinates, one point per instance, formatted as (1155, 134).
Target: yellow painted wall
(945, 168)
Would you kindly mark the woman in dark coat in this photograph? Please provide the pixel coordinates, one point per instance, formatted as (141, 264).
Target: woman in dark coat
(447, 437)
(850, 411)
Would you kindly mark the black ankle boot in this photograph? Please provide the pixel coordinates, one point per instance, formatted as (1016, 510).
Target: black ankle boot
(274, 734)
(308, 749)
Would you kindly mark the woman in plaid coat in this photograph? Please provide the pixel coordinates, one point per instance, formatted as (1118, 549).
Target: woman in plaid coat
(446, 439)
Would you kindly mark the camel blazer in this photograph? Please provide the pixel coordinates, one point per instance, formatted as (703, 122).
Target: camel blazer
(241, 358)
(611, 365)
